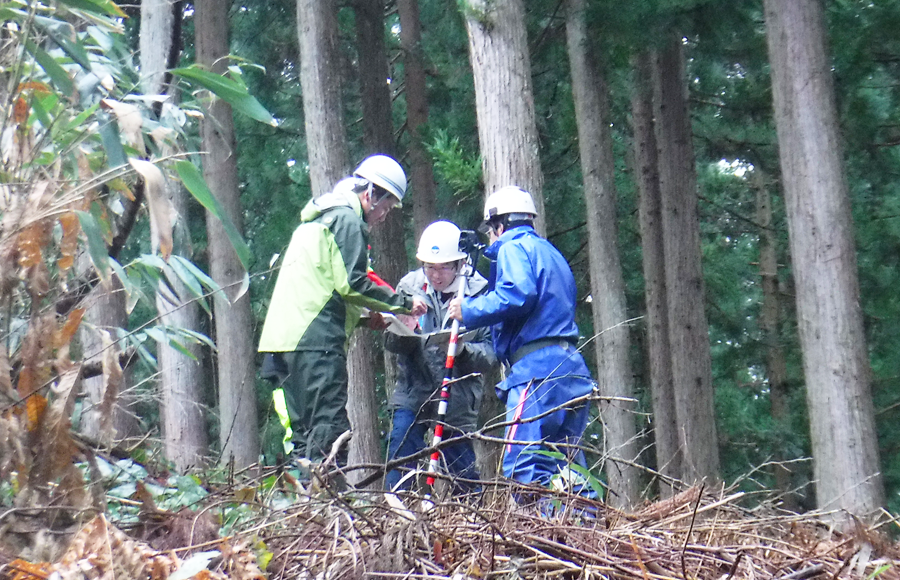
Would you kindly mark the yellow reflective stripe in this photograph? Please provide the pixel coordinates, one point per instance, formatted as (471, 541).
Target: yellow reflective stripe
(283, 418)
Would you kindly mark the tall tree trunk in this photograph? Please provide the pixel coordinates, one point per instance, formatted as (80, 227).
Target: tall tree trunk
(769, 322)
(665, 423)
(238, 435)
(611, 335)
(387, 238)
(182, 380)
(320, 81)
(504, 100)
(835, 362)
(421, 173)
(507, 132)
(105, 311)
(688, 330)
(362, 406)
(157, 25)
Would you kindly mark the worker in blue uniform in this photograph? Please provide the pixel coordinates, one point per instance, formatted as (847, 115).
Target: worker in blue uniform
(530, 307)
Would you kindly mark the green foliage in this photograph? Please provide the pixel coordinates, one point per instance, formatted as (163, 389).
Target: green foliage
(462, 172)
(230, 89)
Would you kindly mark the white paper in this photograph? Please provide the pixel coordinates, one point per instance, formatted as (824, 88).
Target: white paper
(397, 326)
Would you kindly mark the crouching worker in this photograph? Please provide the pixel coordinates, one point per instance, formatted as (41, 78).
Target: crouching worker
(321, 289)
(530, 308)
(421, 369)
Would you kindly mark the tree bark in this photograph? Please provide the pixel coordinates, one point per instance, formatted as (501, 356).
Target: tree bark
(611, 336)
(238, 432)
(362, 406)
(388, 245)
(688, 330)
(421, 172)
(835, 362)
(504, 100)
(320, 81)
(769, 322)
(665, 424)
(182, 380)
(105, 310)
(157, 23)
(507, 131)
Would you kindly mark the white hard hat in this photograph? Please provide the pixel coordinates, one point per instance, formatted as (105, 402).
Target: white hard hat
(509, 199)
(349, 185)
(439, 244)
(384, 172)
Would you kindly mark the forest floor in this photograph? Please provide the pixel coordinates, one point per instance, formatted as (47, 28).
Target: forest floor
(271, 526)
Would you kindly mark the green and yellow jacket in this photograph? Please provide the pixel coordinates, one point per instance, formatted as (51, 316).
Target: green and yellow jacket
(323, 283)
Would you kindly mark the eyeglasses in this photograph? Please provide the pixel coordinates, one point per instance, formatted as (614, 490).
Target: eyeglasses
(442, 269)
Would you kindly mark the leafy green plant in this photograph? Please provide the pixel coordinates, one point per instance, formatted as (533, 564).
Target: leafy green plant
(83, 156)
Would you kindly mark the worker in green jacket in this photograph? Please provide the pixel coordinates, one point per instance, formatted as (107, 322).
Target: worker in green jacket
(322, 288)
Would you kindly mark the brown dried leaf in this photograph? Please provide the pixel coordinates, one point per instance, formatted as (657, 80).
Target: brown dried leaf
(30, 243)
(130, 121)
(68, 330)
(240, 562)
(148, 506)
(69, 242)
(20, 111)
(113, 378)
(23, 570)
(35, 353)
(6, 386)
(38, 278)
(56, 448)
(9, 256)
(100, 550)
(9, 444)
(35, 405)
(160, 209)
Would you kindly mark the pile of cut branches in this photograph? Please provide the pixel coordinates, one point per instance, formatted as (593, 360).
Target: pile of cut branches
(692, 536)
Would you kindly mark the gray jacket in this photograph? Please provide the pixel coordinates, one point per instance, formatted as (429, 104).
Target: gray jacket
(421, 370)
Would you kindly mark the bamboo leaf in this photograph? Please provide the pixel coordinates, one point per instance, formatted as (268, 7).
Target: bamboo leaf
(195, 183)
(208, 282)
(96, 246)
(157, 334)
(129, 120)
(190, 281)
(62, 32)
(54, 70)
(234, 93)
(160, 214)
(107, 7)
(182, 349)
(112, 141)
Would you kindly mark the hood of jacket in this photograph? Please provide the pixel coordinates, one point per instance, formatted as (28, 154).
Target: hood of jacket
(317, 206)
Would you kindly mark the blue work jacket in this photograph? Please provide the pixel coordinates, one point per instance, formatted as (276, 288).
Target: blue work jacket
(531, 296)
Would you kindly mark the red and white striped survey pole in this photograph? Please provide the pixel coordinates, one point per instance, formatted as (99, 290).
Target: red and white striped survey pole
(445, 385)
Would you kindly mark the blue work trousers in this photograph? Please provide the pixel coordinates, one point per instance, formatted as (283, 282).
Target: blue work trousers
(408, 437)
(565, 426)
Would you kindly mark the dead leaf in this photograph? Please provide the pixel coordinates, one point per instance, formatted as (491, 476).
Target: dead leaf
(100, 550)
(130, 122)
(6, 387)
(20, 111)
(31, 242)
(68, 245)
(160, 209)
(113, 377)
(56, 448)
(65, 334)
(23, 570)
(148, 506)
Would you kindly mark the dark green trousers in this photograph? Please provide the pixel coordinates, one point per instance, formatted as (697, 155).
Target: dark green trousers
(315, 393)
